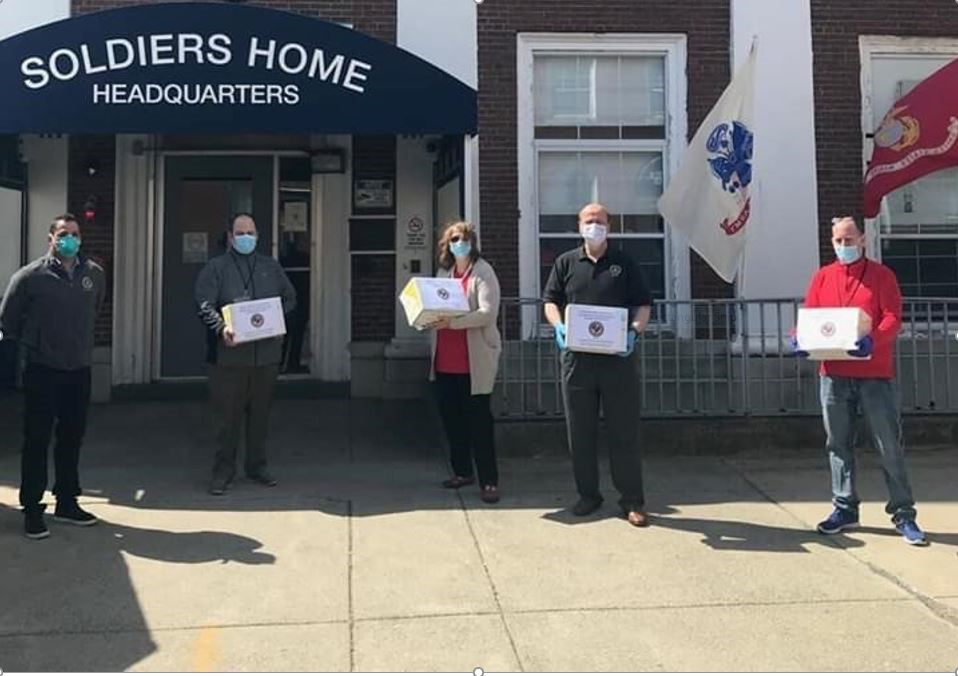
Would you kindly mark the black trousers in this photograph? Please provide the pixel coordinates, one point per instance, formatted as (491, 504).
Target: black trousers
(467, 420)
(296, 324)
(60, 399)
(242, 397)
(589, 380)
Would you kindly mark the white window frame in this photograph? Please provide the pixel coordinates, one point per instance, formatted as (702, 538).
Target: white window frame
(673, 47)
(871, 46)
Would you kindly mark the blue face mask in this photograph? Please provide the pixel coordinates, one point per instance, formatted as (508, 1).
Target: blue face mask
(68, 245)
(847, 254)
(461, 249)
(244, 244)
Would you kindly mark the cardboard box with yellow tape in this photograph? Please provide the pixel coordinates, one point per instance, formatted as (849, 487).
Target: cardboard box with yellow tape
(429, 299)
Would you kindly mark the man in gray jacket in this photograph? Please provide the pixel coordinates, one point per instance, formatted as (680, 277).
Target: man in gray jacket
(49, 308)
(242, 376)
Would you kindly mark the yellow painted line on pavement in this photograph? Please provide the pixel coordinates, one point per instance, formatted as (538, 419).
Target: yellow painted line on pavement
(206, 650)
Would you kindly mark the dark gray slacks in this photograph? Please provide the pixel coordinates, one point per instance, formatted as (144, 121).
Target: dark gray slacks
(242, 397)
(591, 380)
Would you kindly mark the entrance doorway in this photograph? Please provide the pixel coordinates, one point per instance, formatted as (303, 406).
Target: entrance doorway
(201, 195)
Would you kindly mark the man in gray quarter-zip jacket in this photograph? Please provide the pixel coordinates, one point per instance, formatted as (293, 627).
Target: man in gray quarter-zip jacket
(50, 307)
(242, 377)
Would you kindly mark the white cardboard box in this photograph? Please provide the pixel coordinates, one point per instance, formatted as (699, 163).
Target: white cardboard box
(596, 328)
(255, 319)
(429, 299)
(829, 333)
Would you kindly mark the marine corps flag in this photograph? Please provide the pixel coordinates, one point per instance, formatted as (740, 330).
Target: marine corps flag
(918, 136)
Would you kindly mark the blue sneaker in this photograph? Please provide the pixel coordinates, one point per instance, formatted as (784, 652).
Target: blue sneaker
(837, 521)
(912, 533)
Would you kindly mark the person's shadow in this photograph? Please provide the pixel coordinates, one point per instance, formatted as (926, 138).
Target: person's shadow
(721, 534)
(754, 537)
(68, 602)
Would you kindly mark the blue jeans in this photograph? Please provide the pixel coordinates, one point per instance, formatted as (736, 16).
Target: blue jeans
(877, 398)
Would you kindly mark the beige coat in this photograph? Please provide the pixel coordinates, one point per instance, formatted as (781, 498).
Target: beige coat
(481, 325)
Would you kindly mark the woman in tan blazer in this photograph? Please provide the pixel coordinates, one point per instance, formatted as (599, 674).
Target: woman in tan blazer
(465, 359)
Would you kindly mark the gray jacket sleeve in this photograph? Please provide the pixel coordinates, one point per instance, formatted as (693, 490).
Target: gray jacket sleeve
(14, 306)
(206, 294)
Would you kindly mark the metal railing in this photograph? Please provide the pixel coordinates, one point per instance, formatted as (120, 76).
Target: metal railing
(724, 357)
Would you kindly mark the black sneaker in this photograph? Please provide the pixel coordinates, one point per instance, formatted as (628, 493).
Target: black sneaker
(586, 506)
(262, 477)
(218, 486)
(70, 512)
(34, 527)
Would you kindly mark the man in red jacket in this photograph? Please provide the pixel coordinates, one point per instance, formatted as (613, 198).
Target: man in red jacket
(847, 386)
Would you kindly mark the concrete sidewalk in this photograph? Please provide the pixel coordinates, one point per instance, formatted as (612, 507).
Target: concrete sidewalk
(358, 561)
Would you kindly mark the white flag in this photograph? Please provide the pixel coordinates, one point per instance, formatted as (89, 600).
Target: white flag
(709, 198)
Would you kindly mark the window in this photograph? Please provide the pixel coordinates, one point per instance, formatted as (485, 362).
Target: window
(628, 183)
(917, 229)
(597, 117)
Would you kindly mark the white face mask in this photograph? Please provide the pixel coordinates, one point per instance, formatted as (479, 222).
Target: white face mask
(594, 232)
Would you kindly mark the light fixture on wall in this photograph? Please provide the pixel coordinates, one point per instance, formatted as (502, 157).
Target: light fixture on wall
(89, 209)
(328, 161)
(92, 168)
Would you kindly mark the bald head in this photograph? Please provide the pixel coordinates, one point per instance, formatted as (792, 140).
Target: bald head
(594, 213)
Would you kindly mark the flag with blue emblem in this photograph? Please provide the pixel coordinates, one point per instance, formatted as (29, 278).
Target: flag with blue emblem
(709, 199)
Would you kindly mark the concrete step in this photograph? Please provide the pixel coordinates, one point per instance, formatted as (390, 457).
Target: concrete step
(518, 400)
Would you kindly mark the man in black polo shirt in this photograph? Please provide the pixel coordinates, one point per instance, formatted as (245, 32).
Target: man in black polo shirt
(50, 308)
(594, 274)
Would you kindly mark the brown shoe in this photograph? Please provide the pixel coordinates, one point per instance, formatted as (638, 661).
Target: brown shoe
(458, 481)
(637, 518)
(489, 494)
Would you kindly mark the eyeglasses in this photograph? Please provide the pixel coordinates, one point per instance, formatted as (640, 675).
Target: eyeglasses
(456, 238)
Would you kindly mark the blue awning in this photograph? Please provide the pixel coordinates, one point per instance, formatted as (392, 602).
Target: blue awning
(218, 67)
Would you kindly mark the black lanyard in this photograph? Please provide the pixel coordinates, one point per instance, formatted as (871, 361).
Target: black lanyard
(247, 281)
(858, 284)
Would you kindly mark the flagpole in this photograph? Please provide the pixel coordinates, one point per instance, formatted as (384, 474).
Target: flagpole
(744, 316)
(752, 50)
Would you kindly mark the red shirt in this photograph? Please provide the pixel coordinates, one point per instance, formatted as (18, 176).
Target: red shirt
(871, 286)
(452, 346)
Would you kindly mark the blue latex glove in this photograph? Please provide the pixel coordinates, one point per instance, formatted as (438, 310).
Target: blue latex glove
(793, 344)
(864, 346)
(560, 336)
(629, 343)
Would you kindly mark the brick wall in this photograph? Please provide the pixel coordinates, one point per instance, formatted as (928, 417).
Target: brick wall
(373, 17)
(836, 28)
(705, 22)
(373, 297)
(99, 151)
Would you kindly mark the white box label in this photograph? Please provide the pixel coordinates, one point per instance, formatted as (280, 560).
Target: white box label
(255, 319)
(827, 334)
(596, 328)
